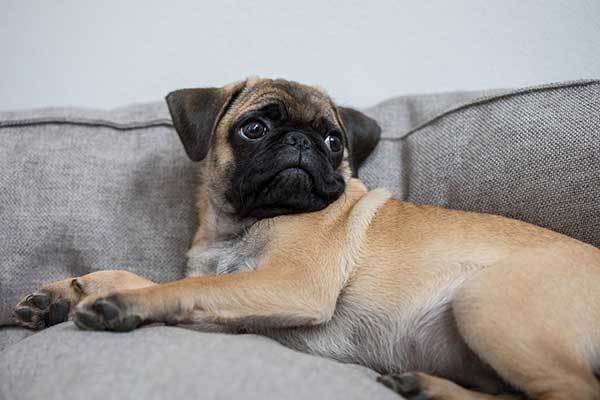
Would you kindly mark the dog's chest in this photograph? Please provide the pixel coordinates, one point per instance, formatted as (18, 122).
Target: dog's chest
(238, 254)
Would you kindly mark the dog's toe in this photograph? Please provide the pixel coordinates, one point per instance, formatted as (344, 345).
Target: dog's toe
(406, 385)
(86, 319)
(40, 310)
(41, 300)
(25, 314)
(58, 311)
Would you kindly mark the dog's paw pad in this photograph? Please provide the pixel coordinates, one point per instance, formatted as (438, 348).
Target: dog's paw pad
(406, 385)
(107, 309)
(106, 313)
(40, 310)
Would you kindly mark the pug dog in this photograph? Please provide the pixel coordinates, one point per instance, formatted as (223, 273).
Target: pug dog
(445, 304)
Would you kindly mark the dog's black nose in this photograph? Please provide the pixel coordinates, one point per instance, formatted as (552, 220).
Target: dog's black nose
(298, 140)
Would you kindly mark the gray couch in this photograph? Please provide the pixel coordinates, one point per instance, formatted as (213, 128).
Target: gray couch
(84, 190)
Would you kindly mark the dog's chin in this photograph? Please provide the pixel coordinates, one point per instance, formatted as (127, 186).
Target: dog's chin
(291, 191)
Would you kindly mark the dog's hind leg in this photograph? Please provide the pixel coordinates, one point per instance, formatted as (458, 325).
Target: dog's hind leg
(535, 320)
(420, 386)
(52, 303)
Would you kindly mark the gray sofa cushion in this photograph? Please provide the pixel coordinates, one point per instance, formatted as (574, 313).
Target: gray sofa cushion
(10, 335)
(160, 362)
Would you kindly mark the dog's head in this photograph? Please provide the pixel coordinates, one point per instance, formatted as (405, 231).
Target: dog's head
(271, 147)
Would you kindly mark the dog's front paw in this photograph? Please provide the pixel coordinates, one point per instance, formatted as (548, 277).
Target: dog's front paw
(408, 385)
(106, 313)
(41, 309)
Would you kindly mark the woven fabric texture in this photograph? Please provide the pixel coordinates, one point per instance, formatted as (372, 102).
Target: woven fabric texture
(65, 363)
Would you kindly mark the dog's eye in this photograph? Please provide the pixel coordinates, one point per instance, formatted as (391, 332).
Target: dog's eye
(334, 143)
(253, 130)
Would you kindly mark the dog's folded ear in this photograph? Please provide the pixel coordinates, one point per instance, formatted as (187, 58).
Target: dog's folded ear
(363, 134)
(196, 113)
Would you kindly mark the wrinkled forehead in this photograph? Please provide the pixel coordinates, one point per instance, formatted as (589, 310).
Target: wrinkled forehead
(300, 102)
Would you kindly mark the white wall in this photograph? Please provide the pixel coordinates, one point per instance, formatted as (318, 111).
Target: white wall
(114, 52)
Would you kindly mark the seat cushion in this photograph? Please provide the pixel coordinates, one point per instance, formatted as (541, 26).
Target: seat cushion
(10, 335)
(158, 362)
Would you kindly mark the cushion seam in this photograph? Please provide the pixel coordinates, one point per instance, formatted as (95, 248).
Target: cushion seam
(163, 122)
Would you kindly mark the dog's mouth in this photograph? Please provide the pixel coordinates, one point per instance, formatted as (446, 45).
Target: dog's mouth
(293, 180)
(285, 185)
(294, 172)
(297, 178)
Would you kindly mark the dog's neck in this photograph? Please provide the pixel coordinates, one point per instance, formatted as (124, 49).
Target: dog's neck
(217, 222)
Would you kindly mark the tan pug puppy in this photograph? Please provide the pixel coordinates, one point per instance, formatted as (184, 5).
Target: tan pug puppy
(291, 246)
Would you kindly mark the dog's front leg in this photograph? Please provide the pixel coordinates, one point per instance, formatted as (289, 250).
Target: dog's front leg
(273, 296)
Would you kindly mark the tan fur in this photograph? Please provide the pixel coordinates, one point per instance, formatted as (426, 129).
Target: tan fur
(524, 299)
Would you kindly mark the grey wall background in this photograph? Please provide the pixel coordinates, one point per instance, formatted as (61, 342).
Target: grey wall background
(110, 53)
